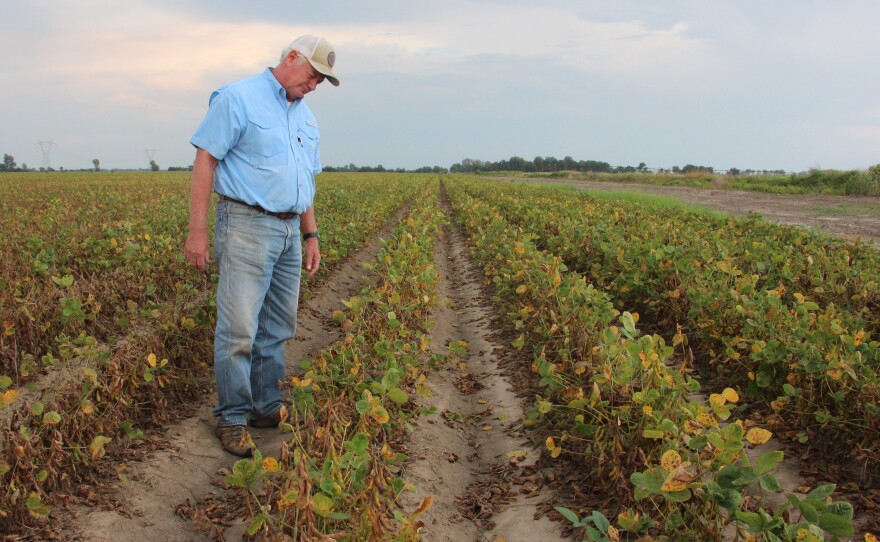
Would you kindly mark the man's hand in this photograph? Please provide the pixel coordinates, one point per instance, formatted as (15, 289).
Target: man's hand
(312, 256)
(196, 249)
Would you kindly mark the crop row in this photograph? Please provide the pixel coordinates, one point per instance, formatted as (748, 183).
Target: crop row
(106, 329)
(616, 404)
(335, 477)
(788, 313)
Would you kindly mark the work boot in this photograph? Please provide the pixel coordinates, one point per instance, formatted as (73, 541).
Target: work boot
(272, 420)
(235, 440)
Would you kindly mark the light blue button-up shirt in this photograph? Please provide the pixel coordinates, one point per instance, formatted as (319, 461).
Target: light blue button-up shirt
(267, 147)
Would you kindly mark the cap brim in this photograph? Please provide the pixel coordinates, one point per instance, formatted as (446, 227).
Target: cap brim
(326, 71)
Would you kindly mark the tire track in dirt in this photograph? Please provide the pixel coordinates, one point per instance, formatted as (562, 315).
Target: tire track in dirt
(459, 455)
(190, 468)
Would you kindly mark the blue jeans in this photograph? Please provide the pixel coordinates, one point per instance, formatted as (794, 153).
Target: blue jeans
(259, 258)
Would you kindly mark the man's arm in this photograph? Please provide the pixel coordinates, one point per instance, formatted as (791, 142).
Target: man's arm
(197, 247)
(312, 255)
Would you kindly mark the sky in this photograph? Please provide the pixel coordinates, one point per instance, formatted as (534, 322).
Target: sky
(751, 84)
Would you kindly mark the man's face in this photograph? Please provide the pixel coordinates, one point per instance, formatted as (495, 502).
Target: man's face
(303, 79)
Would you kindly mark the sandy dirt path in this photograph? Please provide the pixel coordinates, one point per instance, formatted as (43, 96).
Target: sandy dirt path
(841, 216)
(471, 455)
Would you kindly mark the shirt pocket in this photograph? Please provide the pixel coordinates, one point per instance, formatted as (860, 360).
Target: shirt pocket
(310, 137)
(266, 141)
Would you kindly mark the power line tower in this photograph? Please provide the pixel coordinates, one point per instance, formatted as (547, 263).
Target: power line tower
(46, 147)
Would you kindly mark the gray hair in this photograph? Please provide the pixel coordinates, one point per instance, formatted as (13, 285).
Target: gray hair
(300, 58)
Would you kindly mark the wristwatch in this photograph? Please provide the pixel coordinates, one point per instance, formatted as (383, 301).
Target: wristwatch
(311, 234)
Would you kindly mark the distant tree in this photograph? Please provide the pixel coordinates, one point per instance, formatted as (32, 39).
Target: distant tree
(97, 164)
(154, 166)
(733, 172)
(24, 166)
(641, 167)
(9, 162)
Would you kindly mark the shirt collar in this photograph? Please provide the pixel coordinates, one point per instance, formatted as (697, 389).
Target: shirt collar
(280, 92)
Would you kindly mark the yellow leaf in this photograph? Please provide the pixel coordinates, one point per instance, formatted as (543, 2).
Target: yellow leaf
(757, 436)
(707, 420)
(834, 374)
(870, 537)
(555, 453)
(670, 460)
(378, 413)
(270, 465)
(9, 397)
(677, 480)
(717, 400)
(730, 394)
(288, 499)
(301, 383)
(648, 410)
(151, 360)
(521, 289)
(488, 428)
(550, 443)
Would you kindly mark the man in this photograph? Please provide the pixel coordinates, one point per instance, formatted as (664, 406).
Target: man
(257, 147)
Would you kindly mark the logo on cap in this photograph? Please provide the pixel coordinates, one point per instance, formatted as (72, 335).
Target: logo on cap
(331, 58)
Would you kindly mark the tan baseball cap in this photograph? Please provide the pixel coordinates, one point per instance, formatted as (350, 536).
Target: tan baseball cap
(318, 52)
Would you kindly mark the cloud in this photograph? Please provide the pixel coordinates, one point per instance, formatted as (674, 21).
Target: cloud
(523, 35)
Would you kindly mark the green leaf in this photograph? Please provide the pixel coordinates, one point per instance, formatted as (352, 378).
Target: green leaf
(600, 521)
(770, 483)
(731, 499)
(398, 396)
(568, 514)
(629, 325)
(843, 509)
(754, 521)
(322, 505)
(768, 461)
(728, 475)
(820, 493)
(836, 525)
(519, 342)
(256, 524)
(809, 512)
(5, 382)
(678, 496)
(653, 433)
(51, 418)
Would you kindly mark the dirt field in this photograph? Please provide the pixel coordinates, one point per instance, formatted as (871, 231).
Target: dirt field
(841, 216)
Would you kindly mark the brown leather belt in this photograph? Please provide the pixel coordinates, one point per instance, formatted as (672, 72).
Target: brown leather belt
(282, 216)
